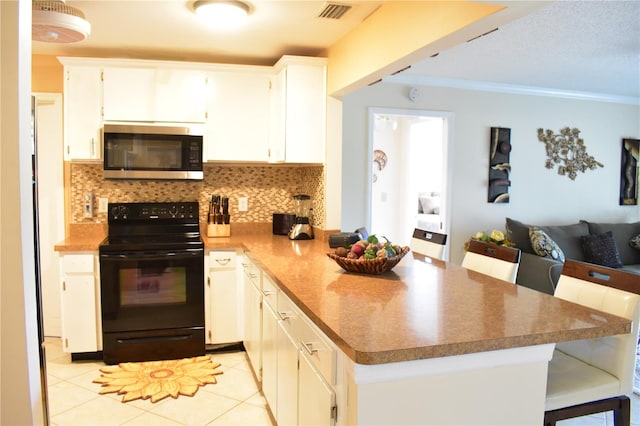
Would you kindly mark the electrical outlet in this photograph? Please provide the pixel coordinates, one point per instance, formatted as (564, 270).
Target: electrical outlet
(87, 204)
(243, 204)
(103, 204)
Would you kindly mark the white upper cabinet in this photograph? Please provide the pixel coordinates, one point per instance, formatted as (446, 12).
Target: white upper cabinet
(82, 111)
(129, 94)
(252, 113)
(238, 115)
(299, 110)
(181, 95)
(154, 94)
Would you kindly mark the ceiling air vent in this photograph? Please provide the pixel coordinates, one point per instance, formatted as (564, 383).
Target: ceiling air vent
(334, 11)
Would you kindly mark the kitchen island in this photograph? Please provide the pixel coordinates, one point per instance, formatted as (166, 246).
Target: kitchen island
(428, 342)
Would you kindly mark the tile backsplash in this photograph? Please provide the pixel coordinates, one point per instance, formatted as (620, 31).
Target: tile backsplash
(269, 189)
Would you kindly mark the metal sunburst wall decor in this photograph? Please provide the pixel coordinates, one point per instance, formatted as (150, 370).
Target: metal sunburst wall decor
(568, 151)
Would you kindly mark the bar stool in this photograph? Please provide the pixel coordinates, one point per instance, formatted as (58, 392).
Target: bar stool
(595, 375)
(428, 243)
(491, 259)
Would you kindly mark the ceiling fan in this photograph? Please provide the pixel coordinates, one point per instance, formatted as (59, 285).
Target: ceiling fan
(54, 21)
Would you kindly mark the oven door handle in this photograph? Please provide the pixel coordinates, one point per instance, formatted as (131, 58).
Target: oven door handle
(156, 255)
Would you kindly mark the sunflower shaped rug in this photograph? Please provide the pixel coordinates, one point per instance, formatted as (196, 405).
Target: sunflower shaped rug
(158, 379)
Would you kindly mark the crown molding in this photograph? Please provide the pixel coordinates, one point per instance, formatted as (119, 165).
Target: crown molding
(487, 86)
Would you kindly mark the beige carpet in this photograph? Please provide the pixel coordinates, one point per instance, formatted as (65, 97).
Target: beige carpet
(158, 379)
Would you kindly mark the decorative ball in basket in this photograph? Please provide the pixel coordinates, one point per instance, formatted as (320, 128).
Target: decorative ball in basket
(374, 256)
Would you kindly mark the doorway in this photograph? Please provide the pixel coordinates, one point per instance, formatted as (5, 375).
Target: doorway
(409, 172)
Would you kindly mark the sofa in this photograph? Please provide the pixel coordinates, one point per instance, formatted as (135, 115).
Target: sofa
(544, 249)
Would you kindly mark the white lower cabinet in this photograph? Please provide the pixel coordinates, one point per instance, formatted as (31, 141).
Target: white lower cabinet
(287, 408)
(224, 316)
(269, 344)
(80, 304)
(253, 315)
(316, 399)
(298, 363)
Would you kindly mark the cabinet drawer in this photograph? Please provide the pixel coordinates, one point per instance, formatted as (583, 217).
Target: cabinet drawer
(77, 263)
(270, 293)
(252, 272)
(317, 349)
(289, 315)
(222, 259)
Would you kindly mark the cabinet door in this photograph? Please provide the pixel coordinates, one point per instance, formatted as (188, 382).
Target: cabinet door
(278, 118)
(83, 113)
(269, 356)
(79, 319)
(253, 325)
(129, 94)
(316, 399)
(287, 408)
(238, 117)
(181, 95)
(306, 114)
(225, 307)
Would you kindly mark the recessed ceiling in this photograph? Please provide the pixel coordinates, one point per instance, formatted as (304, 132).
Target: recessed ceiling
(584, 46)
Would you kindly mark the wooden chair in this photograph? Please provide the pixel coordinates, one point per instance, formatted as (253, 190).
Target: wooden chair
(428, 243)
(595, 375)
(491, 259)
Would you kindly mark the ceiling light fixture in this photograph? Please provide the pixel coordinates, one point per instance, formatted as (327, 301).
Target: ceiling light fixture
(54, 21)
(221, 13)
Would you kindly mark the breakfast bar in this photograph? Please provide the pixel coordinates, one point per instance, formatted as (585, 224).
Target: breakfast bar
(429, 342)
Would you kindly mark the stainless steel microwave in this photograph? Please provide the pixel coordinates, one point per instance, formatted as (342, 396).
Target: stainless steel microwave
(148, 151)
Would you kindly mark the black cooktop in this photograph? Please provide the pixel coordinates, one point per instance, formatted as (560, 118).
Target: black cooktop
(152, 226)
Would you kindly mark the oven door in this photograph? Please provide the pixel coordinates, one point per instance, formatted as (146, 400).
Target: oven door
(157, 290)
(152, 304)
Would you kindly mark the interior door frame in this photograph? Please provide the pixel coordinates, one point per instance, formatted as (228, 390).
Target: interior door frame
(447, 170)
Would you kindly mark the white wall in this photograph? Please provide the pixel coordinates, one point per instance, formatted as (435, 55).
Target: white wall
(537, 195)
(20, 390)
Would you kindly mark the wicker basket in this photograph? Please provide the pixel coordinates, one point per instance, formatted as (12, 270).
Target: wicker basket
(376, 266)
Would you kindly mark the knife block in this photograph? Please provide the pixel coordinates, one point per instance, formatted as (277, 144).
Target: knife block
(217, 230)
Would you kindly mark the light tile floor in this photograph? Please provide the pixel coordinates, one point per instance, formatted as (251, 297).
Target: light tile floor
(74, 399)
(234, 400)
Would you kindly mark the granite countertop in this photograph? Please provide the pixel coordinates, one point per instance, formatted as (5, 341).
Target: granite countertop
(423, 308)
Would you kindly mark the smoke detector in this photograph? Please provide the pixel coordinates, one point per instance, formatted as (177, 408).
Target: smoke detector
(54, 21)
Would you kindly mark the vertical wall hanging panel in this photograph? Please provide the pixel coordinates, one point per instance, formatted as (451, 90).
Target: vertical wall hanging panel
(499, 165)
(629, 172)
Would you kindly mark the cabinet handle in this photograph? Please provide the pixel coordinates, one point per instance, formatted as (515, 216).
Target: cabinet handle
(252, 275)
(308, 347)
(93, 148)
(223, 261)
(268, 292)
(284, 315)
(64, 286)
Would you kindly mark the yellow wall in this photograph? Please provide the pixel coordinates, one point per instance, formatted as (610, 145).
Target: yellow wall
(399, 34)
(46, 74)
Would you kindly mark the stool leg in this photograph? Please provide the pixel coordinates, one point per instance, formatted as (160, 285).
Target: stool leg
(622, 415)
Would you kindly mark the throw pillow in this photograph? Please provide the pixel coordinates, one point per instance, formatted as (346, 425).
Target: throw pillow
(635, 242)
(543, 245)
(601, 249)
(518, 233)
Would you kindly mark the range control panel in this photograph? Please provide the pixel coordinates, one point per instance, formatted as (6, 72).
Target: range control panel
(152, 211)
